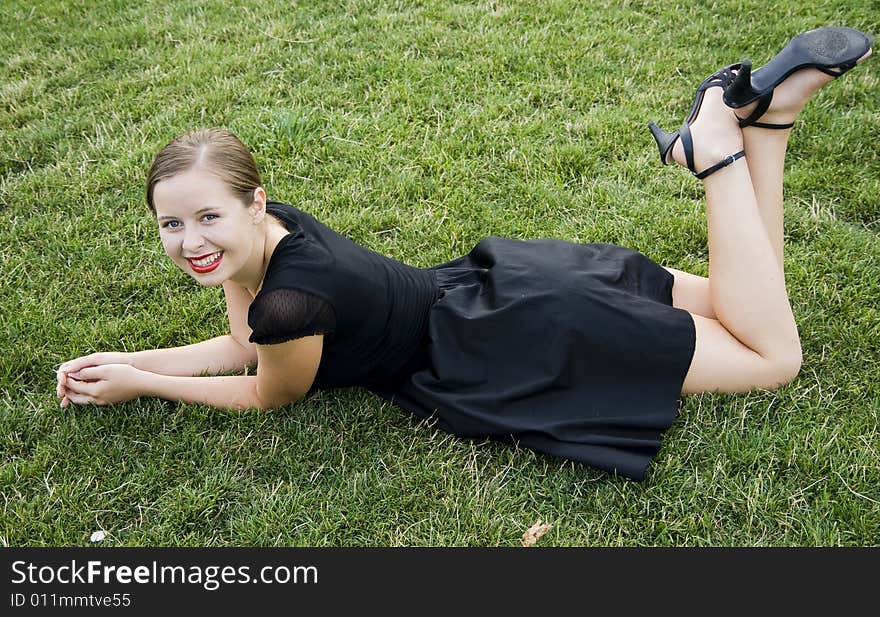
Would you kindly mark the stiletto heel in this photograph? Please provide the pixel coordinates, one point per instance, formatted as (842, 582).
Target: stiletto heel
(665, 141)
(832, 50)
(740, 89)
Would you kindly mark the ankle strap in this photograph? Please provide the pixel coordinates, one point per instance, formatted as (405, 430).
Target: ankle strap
(729, 160)
(765, 125)
(757, 112)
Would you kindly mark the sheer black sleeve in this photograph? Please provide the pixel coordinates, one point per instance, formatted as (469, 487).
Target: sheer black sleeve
(286, 314)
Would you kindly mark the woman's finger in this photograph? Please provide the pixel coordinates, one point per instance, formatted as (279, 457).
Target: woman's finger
(88, 373)
(71, 366)
(80, 399)
(74, 365)
(61, 389)
(80, 388)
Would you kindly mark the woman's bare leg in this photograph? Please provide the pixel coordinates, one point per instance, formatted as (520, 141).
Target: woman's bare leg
(747, 289)
(691, 293)
(765, 153)
(765, 156)
(754, 342)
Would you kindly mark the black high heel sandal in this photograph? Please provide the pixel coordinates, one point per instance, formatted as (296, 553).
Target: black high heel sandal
(832, 50)
(665, 141)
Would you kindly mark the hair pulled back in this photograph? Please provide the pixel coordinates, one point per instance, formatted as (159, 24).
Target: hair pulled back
(218, 152)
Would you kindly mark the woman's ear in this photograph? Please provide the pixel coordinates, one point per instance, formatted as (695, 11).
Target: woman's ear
(258, 205)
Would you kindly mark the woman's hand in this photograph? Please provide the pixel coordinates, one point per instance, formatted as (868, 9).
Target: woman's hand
(103, 385)
(95, 359)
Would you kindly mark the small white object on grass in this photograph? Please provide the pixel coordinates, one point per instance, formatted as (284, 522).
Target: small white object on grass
(97, 536)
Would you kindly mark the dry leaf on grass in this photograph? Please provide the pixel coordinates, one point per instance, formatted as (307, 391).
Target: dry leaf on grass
(534, 533)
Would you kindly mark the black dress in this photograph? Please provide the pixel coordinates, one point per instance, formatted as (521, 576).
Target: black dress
(574, 350)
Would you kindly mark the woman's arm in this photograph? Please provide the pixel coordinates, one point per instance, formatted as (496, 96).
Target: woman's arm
(107, 384)
(223, 354)
(227, 392)
(286, 373)
(218, 355)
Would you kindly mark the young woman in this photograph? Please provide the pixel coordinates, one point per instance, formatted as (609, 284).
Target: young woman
(581, 351)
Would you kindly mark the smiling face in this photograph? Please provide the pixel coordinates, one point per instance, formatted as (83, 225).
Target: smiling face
(208, 232)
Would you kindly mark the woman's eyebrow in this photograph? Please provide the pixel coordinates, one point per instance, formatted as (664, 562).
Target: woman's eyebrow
(161, 218)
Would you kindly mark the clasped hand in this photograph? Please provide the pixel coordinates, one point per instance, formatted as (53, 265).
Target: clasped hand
(98, 379)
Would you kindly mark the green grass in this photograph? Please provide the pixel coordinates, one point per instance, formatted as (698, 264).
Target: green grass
(415, 128)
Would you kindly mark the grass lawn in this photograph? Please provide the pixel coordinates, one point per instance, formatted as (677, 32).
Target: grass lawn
(416, 129)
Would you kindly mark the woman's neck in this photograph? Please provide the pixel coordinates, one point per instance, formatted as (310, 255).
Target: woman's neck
(274, 233)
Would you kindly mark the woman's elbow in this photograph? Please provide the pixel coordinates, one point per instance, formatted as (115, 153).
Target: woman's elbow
(250, 356)
(270, 401)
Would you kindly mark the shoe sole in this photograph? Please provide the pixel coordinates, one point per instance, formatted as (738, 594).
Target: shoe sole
(823, 48)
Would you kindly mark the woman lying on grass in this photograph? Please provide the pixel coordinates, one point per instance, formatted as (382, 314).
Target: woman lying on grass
(582, 351)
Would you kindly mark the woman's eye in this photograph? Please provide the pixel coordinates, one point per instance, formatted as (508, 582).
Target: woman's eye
(207, 215)
(171, 224)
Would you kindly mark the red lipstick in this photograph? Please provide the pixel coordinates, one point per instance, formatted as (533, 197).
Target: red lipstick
(205, 269)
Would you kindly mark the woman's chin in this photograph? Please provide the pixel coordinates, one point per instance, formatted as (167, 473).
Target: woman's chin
(208, 282)
(205, 279)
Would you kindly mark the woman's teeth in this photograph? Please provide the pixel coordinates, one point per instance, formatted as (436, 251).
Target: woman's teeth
(207, 261)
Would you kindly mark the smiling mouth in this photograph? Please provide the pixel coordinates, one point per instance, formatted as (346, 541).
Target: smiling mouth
(207, 263)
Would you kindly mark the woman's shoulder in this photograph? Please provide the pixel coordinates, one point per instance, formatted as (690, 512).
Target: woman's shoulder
(287, 215)
(297, 261)
(291, 216)
(295, 293)
(300, 221)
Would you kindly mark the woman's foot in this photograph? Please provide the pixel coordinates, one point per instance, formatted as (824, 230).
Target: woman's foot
(716, 133)
(790, 97)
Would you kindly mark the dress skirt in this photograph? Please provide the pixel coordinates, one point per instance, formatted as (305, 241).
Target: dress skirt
(574, 350)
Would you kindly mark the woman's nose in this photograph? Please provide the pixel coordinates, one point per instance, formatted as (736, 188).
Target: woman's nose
(192, 240)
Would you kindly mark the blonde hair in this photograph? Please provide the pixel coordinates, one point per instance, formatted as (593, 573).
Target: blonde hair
(217, 151)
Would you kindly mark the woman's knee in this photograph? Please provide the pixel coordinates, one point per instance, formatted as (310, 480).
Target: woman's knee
(788, 365)
(722, 363)
(784, 365)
